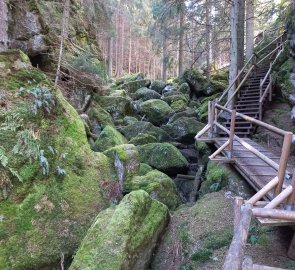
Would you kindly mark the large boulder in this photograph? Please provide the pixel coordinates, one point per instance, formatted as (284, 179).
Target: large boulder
(51, 183)
(146, 94)
(117, 107)
(156, 111)
(187, 113)
(108, 138)
(99, 117)
(184, 129)
(143, 139)
(130, 78)
(133, 86)
(126, 161)
(123, 237)
(195, 80)
(158, 86)
(142, 127)
(159, 186)
(164, 157)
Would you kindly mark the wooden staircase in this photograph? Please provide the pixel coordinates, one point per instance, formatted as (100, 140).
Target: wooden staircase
(247, 101)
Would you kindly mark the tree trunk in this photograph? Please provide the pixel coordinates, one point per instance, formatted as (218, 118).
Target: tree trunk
(3, 25)
(130, 51)
(208, 39)
(110, 57)
(233, 70)
(181, 43)
(164, 65)
(241, 34)
(249, 28)
(64, 36)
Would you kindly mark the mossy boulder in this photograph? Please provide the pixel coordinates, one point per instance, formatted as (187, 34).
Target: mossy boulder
(142, 127)
(156, 111)
(129, 78)
(128, 120)
(117, 107)
(178, 105)
(144, 169)
(158, 86)
(184, 88)
(203, 150)
(133, 86)
(216, 178)
(125, 159)
(164, 157)
(143, 139)
(118, 93)
(184, 129)
(99, 116)
(146, 94)
(187, 113)
(158, 185)
(195, 80)
(123, 237)
(108, 138)
(176, 97)
(55, 192)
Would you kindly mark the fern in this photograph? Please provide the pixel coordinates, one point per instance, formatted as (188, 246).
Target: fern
(43, 99)
(12, 122)
(43, 163)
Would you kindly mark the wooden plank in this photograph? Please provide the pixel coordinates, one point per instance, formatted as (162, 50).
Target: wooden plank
(275, 222)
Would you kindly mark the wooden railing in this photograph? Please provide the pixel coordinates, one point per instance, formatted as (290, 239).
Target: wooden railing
(283, 196)
(248, 68)
(268, 89)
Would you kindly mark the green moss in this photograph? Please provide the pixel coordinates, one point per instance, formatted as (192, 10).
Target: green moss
(143, 139)
(48, 208)
(216, 178)
(143, 127)
(129, 78)
(108, 138)
(158, 185)
(163, 156)
(133, 86)
(144, 169)
(146, 94)
(102, 117)
(202, 255)
(124, 236)
(155, 110)
(158, 86)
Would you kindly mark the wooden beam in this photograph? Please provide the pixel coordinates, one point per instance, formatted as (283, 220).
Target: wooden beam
(219, 150)
(284, 160)
(261, 193)
(263, 267)
(200, 133)
(238, 201)
(274, 213)
(235, 255)
(280, 198)
(232, 132)
(291, 199)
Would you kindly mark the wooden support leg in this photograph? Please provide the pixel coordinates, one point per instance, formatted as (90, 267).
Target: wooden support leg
(238, 201)
(291, 251)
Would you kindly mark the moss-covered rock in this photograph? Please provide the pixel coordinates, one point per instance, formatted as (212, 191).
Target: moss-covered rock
(158, 86)
(49, 212)
(176, 97)
(160, 187)
(163, 156)
(129, 78)
(184, 88)
(187, 113)
(118, 93)
(117, 107)
(216, 178)
(143, 127)
(108, 138)
(204, 151)
(128, 120)
(184, 129)
(123, 237)
(100, 116)
(133, 86)
(156, 111)
(178, 105)
(146, 94)
(195, 80)
(144, 169)
(125, 159)
(143, 139)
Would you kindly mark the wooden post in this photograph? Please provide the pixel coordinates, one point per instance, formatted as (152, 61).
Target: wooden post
(247, 263)
(238, 201)
(291, 251)
(260, 103)
(234, 257)
(270, 88)
(232, 133)
(283, 161)
(291, 199)
(211, 112)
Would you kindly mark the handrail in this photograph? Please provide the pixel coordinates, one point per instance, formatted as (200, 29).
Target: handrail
(236, 78)
(255, 121)
(265, 47)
